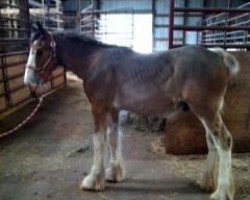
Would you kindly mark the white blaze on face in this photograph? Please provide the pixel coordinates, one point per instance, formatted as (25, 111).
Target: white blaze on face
(30, 77)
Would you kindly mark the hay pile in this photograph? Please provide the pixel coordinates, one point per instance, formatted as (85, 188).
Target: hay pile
(143, 123)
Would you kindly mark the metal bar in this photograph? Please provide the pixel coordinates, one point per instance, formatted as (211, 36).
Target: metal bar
(171, 24)
(12, 77)
(14, 53)
(217, 35)
(5, 82)
(3, 74)
(13, 19)
(36, 4)
(236, 46)
(116, 11)
(161, 25)
(14, 29)
(153, 8)
(12, 6)
(212, 10)
(180, 15)
(185, 21)
(200, 28)
(239, 16)
(12, 40)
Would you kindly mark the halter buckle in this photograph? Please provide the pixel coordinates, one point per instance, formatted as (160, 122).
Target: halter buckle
(53, 44)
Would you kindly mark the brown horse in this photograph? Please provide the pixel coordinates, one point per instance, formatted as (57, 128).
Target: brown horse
(117, 78)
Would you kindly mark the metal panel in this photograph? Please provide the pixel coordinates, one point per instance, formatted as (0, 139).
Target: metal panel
(136, 5)
(220, 23)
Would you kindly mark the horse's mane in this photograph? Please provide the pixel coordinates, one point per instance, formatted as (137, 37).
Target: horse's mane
(74, 37)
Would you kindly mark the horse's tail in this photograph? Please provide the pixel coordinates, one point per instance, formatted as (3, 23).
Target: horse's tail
(229, 60)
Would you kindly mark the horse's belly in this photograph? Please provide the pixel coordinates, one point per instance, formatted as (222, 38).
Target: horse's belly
(146, 104)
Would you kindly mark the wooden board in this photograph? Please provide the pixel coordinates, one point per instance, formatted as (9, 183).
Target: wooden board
(15, 67)
(15, 83)
(20, 95)
(1, 74)
(1, 88)
(16, 70)
(15, 59)
(2, 104)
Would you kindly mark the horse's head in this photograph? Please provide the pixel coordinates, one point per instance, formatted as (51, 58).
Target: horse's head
(42, 57)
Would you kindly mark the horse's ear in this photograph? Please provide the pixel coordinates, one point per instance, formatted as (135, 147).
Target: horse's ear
(41, 29)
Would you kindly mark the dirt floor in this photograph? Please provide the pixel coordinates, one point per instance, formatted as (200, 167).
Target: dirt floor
(48, 158)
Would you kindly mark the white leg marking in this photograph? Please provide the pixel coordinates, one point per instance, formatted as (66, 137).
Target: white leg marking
(209, 180)
(95, 180)
(116, 171)
(225, 186)
(225, 189)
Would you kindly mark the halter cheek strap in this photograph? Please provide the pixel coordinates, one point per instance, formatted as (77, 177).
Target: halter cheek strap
(51, 57)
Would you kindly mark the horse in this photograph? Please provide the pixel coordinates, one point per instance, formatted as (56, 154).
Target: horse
(117, 78)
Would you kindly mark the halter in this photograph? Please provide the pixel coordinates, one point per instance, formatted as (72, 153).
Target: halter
(51, 57)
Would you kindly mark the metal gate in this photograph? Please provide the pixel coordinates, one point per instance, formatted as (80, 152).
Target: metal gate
(104, 25)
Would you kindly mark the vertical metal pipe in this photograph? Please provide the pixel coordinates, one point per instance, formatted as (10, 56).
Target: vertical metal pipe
(185, 16)
(5, 82)
(78, 17)
(153, 24)
(27, 25)
(171, 24)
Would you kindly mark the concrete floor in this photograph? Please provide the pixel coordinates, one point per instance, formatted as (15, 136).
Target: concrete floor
(48, 158)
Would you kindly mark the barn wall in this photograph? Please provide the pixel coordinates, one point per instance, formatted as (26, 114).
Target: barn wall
(13, 92)
(160, 11)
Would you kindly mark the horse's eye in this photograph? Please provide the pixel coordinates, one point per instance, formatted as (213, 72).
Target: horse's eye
(39, 53)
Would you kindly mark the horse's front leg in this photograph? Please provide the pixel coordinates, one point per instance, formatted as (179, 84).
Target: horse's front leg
(96, 179)
(116, 170)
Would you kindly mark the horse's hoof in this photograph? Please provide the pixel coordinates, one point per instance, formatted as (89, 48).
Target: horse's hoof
(92, 183)
(218, 195)
(207, 184)
(115, 174)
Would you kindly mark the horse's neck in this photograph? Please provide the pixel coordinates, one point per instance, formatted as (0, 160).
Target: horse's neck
(75, 57)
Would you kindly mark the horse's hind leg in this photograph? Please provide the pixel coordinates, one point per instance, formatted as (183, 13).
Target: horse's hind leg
(209, 180)
(223, 142)
(116, 170)
(95, 180)
(221, 138)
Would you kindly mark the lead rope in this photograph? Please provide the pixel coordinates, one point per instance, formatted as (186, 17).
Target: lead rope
(29, 117)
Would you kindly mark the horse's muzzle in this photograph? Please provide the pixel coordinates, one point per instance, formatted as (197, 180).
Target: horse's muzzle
(33, 89)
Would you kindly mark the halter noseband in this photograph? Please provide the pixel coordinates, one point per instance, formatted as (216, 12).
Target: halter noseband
(51, 57)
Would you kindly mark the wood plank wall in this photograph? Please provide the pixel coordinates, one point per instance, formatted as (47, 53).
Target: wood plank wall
(13, 92)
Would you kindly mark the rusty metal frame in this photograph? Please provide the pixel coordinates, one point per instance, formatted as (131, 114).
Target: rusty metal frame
(172, 27)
